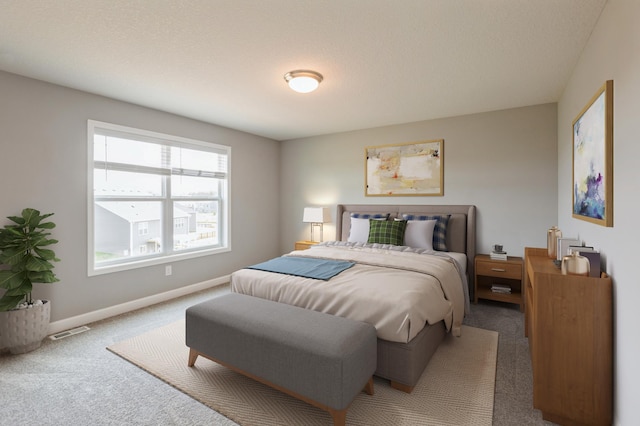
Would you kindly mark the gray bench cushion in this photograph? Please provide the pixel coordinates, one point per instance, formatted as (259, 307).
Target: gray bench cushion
(325, 358)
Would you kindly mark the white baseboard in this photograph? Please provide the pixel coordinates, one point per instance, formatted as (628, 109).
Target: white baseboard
(111, 311)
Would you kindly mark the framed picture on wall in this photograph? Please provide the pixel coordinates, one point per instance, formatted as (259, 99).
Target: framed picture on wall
(593, 159)
(415, 168)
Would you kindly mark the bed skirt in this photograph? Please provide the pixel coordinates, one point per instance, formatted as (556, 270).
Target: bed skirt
(403, 363)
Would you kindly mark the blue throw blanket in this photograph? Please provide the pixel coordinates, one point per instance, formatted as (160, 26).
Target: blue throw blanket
(308, 267)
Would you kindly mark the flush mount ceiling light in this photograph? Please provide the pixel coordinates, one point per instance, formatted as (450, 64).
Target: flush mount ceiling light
(303, 81)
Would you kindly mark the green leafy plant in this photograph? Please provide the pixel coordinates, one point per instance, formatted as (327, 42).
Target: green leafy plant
(24, 259)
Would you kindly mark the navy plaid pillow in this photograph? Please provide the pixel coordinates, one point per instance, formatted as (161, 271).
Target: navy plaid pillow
(378, 216)
(439, 231)
(386, 232)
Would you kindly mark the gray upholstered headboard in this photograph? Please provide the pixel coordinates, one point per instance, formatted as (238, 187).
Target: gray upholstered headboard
(461, 231)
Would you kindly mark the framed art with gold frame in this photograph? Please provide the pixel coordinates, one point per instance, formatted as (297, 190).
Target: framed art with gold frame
(593, 159)
(415, 168)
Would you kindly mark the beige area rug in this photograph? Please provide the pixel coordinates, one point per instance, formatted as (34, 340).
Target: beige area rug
(456, 388)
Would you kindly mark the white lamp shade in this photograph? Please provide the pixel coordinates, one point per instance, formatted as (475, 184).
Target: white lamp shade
(316, 215)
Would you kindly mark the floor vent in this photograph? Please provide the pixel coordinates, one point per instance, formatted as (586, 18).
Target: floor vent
(68, 333)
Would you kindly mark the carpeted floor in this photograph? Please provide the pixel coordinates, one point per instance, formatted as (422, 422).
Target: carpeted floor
(457, 387)
(76, 381)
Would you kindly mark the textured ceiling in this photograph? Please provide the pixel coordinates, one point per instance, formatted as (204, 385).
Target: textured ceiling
(222, 61)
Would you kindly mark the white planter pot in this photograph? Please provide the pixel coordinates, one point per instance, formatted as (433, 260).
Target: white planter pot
(22, 330)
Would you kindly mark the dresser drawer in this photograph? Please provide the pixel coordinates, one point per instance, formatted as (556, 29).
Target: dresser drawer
(499, 269)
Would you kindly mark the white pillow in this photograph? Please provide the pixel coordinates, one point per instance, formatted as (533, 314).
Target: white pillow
(359, 231)
(419, 233)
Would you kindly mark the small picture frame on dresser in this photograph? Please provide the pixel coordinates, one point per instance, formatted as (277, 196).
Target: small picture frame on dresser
(563, 246)
(594, 262)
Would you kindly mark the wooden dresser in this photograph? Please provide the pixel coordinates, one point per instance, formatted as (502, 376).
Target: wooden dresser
(568, 320)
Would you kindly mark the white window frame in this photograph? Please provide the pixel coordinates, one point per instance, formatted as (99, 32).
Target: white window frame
(165, 257)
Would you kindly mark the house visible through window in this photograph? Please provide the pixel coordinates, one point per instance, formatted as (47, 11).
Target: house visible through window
(155, 198)
(143, 228)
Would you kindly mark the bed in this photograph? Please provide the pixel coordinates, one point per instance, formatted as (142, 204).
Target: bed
(412, 295)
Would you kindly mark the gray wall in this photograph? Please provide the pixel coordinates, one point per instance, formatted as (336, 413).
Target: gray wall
(515, 165)
(611, 54)
(43, 146)
(504, 162)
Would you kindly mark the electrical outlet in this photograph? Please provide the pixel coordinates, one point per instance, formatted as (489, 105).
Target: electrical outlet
(167, 270)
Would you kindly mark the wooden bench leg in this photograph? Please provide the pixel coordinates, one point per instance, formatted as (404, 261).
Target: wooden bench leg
(368, 388)
(339, 417)
(193, 355)
(401, 387)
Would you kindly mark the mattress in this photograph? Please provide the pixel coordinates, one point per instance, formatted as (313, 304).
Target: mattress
(396, 291)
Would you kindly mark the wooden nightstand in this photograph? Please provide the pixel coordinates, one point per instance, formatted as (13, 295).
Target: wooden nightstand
(303, 245)
(499, 272)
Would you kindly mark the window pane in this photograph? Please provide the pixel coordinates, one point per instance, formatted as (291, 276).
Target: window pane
(155, 198)
(126, 184)
(122, 228)
(189, 186)
(119, 150)
(183, 158)
(195, 224)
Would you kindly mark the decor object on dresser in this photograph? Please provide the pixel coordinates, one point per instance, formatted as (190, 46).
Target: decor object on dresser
(594, 262)
(562, 249)
(575, 264)
(569, 323)
(23, 321)
(593, 159)
(415, 168)
(553, 234)
(499, 280)
(316, 216)
(580, 248)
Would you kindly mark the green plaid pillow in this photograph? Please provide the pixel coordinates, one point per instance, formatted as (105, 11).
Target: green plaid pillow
(387, 232)
(440, 230)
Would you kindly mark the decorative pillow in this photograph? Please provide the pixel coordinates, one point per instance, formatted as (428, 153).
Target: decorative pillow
(359, 231)
(419, 234)
(439, 232)
(377, 216)
(387, 232)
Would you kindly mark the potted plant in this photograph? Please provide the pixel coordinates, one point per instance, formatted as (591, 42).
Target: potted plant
(23, 321)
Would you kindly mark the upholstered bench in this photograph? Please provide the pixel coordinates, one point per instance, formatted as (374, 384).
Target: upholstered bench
(319, 358)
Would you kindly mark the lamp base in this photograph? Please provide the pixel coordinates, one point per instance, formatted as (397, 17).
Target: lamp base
(314, 225)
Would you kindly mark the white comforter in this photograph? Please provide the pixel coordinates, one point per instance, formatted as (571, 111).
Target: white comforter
(395, 291)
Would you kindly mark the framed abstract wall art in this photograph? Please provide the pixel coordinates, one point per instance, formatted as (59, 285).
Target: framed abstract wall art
(414, 168)
(593, 159)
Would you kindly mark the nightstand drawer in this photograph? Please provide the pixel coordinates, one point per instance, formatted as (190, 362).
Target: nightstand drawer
(499, 269)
